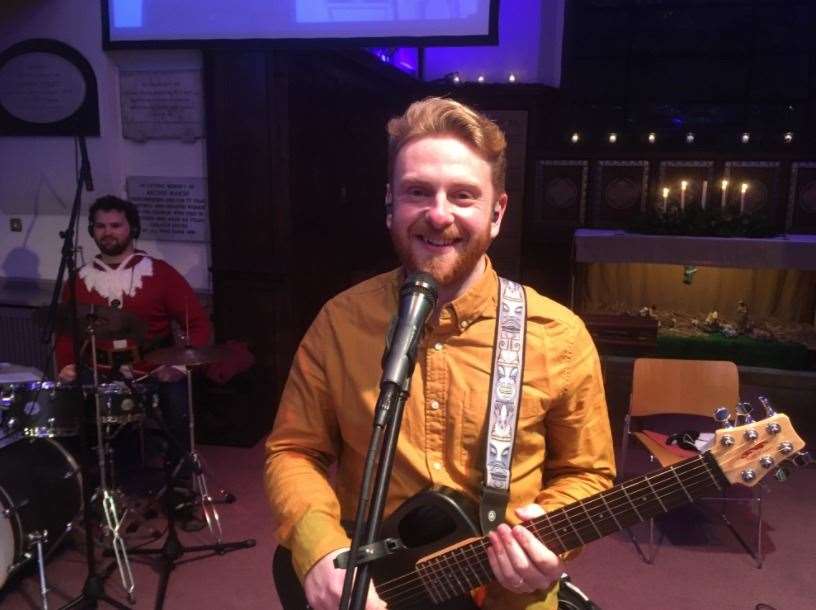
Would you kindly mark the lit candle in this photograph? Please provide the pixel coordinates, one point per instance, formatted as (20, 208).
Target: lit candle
(683, 186)
(724, 193)
(743, 189)
(704, 193)
(665, 198)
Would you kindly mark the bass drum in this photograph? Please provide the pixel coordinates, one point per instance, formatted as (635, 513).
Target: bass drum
(40, 491)
(571, 597)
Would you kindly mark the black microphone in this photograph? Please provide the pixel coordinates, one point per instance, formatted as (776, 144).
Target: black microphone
(85, 165)
(417, 300)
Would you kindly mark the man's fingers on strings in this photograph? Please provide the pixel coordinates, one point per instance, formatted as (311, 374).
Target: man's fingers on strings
(500, 556)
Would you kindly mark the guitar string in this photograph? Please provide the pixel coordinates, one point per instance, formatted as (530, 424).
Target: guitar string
(392, 586)
(697, 464)
(564, 518)
(577, 508)
(414, 589)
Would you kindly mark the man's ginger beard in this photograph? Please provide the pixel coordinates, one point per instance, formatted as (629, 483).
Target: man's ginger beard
(440, 268)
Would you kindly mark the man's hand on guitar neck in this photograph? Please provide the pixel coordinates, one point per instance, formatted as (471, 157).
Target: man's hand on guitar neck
(323, 586)
(519, 560)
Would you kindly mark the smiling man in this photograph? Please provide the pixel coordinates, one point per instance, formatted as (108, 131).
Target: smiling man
(444, 207)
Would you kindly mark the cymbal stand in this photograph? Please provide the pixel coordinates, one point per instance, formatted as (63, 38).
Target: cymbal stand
(211, 515)
(112, 520)
(172, 549)
(93, 589)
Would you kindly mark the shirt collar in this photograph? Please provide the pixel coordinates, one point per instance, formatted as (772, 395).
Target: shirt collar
(130, 261)
(479, 301)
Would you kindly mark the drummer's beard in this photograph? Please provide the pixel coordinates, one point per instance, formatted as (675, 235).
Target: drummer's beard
(111, 246)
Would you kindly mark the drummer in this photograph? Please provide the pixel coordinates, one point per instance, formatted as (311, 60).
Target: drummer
(124, 277)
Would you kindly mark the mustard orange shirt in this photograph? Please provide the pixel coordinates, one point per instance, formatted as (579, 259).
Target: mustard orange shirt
(563, 445)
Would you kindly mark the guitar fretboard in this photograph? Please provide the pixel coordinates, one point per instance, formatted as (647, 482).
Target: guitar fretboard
(457, 571)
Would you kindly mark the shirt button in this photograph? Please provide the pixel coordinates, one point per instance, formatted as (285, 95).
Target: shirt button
(437, 466)
(463, 324)
(438, 347)
(434, 404)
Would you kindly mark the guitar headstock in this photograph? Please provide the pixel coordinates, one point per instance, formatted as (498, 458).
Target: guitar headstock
(747, 453)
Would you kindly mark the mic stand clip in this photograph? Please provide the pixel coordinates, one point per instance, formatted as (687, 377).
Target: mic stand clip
(371, 552)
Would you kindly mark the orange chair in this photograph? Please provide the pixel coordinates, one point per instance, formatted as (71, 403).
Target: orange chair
(670, 387)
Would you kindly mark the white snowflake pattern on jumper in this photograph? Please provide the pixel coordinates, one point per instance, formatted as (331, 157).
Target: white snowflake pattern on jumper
(115, 284)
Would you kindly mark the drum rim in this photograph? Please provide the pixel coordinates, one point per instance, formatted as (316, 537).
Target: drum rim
(13, 518)
(18, 533)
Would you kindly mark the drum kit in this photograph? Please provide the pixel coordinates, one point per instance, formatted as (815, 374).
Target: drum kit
(41, 469)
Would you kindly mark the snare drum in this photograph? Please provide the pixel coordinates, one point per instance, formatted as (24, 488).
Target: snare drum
(123, 404)
(41, 409)
(40, 492)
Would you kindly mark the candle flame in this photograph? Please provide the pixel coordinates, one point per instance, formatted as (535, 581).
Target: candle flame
(743, 187)
(683, 184)
(665, 192)
(725, 184)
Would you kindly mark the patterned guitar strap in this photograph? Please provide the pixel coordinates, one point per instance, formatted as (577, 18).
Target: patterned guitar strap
(503, 403)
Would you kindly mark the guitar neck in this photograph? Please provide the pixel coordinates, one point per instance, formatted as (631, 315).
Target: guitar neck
(458, 570)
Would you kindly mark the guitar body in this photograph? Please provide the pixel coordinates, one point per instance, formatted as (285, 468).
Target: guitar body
(426, 523)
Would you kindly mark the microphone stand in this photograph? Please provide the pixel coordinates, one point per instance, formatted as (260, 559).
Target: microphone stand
(417, 299)
(387, 422)
(93, 590)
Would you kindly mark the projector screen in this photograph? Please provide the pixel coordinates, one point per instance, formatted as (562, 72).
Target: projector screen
(139, 23)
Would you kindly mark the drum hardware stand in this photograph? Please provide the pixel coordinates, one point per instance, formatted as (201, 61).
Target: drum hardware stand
(37, 539)
(172, 549)
(93, 588)
(112, 520)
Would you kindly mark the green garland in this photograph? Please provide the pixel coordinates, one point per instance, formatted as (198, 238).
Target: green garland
(719, 222)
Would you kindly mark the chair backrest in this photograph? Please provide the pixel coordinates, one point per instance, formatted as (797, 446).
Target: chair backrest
(696, 387)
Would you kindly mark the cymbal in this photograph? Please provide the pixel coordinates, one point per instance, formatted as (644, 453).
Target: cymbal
(108, 323)
(187, 356)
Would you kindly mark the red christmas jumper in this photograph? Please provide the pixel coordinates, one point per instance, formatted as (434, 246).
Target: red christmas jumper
(147, 287)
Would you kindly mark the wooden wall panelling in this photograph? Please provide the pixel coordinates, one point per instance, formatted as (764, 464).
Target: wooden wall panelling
(247, 143)
(763, 180)
(801, 205)
(620, 190)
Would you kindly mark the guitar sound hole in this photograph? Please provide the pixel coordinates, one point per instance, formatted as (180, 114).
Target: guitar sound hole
(424, 525)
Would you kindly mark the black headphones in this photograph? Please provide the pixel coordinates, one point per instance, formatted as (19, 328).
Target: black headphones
(108, 203)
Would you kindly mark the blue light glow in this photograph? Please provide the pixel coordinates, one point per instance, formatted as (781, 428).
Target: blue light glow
(126, 13)
(405, 59)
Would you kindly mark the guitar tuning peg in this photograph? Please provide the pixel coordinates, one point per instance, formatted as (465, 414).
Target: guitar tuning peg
(744, 413)
(781, 474)
(723, 417)
(766, 404)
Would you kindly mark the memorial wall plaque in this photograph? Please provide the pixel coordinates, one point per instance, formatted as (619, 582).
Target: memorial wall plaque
(47, 88)
(171, 209)
(165, 104)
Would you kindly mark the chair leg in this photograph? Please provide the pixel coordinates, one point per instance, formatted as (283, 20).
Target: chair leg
(760, 555)
(637, 546)
(757, 558)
